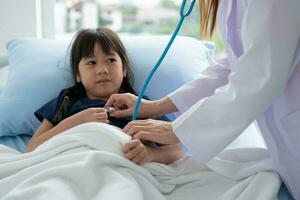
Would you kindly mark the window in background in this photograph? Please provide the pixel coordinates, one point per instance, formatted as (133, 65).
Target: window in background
(126, 17)
(138, 17)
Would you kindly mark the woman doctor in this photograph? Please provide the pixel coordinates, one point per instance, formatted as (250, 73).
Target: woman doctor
(260, 80)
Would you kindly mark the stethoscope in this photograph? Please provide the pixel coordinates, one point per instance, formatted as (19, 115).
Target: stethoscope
(161, 58)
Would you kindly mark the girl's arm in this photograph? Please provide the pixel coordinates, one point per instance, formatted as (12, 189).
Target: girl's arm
(45, 126)
(47, 130)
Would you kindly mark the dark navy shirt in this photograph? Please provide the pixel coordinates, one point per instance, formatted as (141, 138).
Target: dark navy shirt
(49, 110)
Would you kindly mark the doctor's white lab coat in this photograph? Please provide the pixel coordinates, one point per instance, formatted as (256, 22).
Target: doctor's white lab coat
(259, 80)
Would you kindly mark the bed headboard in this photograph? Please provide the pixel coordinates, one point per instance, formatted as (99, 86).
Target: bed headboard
(3, 61)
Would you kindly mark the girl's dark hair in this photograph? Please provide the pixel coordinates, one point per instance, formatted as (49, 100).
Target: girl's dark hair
(82, 46)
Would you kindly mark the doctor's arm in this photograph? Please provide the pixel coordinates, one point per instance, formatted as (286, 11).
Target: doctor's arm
(262, 72)
(211, 78)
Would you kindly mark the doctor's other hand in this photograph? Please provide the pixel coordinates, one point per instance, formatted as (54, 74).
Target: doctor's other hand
(138, 152)
(152, 130)
(124, 105)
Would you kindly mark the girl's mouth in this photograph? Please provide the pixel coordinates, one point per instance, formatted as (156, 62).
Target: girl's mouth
(103, 81)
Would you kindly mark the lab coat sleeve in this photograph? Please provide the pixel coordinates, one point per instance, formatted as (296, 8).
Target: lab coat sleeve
(210, 79)
(270, 32)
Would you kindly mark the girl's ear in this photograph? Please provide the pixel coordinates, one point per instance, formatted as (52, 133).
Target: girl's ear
(124, 73)
(77, 79)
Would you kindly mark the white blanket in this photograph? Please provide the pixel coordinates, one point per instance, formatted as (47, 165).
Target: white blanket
(86, 162)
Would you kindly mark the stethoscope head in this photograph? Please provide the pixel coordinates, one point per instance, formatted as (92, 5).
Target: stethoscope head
(109, 110)
(182, 8)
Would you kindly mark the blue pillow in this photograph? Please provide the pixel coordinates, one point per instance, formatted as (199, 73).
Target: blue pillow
(1, 88)
(184, 62)
(39, 69)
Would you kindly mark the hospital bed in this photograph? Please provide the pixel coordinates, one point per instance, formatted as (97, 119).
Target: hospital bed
(18, 141)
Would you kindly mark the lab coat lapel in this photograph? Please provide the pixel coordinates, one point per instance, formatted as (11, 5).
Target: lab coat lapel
(233, 27)
(226, 22)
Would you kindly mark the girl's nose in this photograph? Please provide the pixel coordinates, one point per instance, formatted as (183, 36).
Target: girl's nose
(102, 70)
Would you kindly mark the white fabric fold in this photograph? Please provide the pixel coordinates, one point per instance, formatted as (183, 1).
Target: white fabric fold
(86, 162)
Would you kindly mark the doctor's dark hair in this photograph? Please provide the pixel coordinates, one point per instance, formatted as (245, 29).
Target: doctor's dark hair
(208, 17)
(82, 46)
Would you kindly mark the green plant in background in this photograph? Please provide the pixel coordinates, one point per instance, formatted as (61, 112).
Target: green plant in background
(217, 39)
(168, 4)
(101, 20)
(190, 28)
(131, 24)
(165, 26)
(128, 10)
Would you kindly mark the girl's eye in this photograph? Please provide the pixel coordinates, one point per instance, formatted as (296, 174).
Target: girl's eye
(111, 60)
(91, 62)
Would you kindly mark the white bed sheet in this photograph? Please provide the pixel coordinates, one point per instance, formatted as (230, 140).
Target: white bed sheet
(3, 75)
(85, 162)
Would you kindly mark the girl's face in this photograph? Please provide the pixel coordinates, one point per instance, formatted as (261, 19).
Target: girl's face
(101, 74)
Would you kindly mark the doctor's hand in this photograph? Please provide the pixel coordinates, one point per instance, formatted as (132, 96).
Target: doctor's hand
(152, 130)
(124, 105)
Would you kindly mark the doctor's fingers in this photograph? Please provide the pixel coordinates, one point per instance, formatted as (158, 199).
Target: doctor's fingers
(136, 129)
(114, 98)
(121, 113)
(148, 136)
(159, 132)
(125, 99)
(138, 125)
(143, 130)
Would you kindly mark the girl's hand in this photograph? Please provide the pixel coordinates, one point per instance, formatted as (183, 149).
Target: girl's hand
(92, 115)
(152, 130)
(137, 152)
(124, 105)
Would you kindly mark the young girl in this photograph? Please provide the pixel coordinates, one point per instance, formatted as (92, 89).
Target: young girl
(100, 68)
